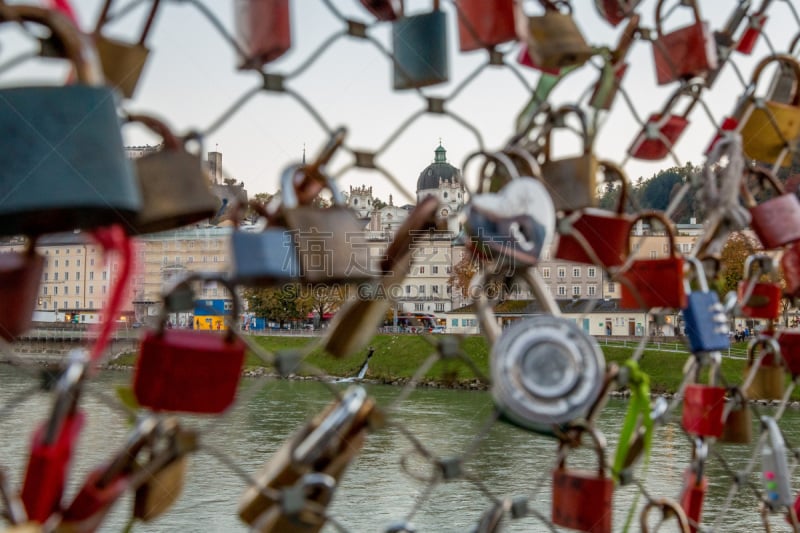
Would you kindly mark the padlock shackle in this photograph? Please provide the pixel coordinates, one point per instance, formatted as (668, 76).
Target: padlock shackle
(661, 217)
(78, 48)
(611, 173)
(770, 346)
(102, 19)
(570, 439)
(495, 157)
(784, 60)
(626, 39)
(660, 9)
(762, 174)
(239, 207)
(555, 119)
(534, 170)
(694, 264)
(158, 127)
(289, 198)
(667, 507)
(765, 264)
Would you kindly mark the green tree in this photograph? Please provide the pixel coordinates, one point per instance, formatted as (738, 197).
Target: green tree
(377, 204)
(321, 299)
(281, 304)
(734, 253)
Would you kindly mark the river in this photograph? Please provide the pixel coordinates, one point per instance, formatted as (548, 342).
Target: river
(374, 491)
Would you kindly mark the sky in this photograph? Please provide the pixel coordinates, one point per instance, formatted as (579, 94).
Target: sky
(191, 79)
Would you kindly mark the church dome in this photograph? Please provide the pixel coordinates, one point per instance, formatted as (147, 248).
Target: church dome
(439, 169)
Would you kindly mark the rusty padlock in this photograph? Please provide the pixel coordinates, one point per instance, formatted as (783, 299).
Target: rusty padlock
(485, 24)
(383, 9)
(770, 128)
(686, 52)
(357, 321)
(53, 444)
(582, 499)
(175, 188)
(325, 446)
(123, 62)
(554, 39)
(614, 68)
(263, 31)
(419, 44)
(87, 182)
(186, 370)
(738, 428)
(775, 221)
(652, 283)
(755, 25)
(695, 485)
(20, 275)
(765, 375)
(606, 234)
(782, 85)
(704, 405)
(615, 11)
(759, 299)
(662, 130)
(571, 181)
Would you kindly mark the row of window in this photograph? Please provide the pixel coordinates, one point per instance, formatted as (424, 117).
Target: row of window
(66, 290)
(561, 272)
(465, 322)
(66, 304)
(421, 289)
(190, 259)
(561, 290)
(179, 245)
(66, 252)
(435, 269)
(421, 307)
(77, 276)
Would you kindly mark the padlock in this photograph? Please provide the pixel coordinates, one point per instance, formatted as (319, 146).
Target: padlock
(571, 181)
(266, 257)
(776, 221)
(331, 242)
(775, 472)
(759, 299)
(770, 127)
(738, 428)
(554, 39)
(606, 234)
(384, 9)
(123, 62)
(695, 486)
(419, 43)
(684, 53)
(764, 371)
(704, 405)
(53, 443)
(546, 371)
(20, 275)
(662, 130)
(263, 31)
(724, 39)
(782, 86)
(789, 342)
(511, 228)
(485, 25)
(357, 321)
(704, 316)
(668, 508)
(790, 265)
(186, 370)
(607, 85)
(87, 182)
(325, 446)
(652, 283)
(524, 58)
(755, 25)
(175, 188)
(615, 11)
(582, 499)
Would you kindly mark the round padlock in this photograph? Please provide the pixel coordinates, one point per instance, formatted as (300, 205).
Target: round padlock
(545, 372)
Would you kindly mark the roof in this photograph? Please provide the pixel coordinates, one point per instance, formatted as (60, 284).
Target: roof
(439, 170)
(531, 307)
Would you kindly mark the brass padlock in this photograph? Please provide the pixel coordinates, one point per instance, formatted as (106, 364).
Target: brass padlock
(123, 62)
(554, 40)
(175, 187)
(738, 428)
(764, 372)
(325, 446)
(571, 181)
(331, 242)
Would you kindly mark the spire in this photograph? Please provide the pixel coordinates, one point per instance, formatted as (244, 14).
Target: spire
(440, 154)
(304, 153)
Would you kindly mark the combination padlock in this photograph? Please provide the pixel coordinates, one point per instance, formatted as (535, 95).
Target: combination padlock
(582, 500)
(704, 316)
(765, 376)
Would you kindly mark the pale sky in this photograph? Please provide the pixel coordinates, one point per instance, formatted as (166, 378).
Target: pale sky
(191, 79)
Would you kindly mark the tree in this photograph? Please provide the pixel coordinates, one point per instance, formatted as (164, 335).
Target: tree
(377, 204)
(322, 299)
(278, 304)
(734, 253)
(462, 274)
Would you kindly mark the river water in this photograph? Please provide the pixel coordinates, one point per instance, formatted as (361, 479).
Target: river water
(375, 491)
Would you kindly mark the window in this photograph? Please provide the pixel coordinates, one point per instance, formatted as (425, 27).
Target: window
(612, 287)
(419, 307)
(177, 260)
(449, 289)
(91, 290)
(562, 272)
(546, 272)
(434, 270)
(576, 272)
(55, 276)
(576, 290)
(435, 289)
(65, 304)
(91, 261)
(77, 276)
(56, 260)
(55, 291)
(591, 290)
(422, 270)
(58, 252)
(591, 272)
(448, 270)
(104, 289)
(454, 322)
(105, 275)
(440, 307)
(66, 261)
(91, 276)
(422, 289)
(214, 292)
(66, 276)
(66, 289)
(562, 290)
(215, 258)
(45, 276)
(44, 291)
(91, 304)
(653, 254)
(408, 289)
(77, 304)
(77, 289)
(79, 262)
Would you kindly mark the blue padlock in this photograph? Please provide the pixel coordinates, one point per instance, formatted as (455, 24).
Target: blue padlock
(705, 318)
(420, 49)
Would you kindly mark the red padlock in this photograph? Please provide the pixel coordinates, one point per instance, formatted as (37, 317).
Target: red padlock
(728, 124)
(615, 11)
(695, 486)
(93, 502)
(662, 130)
(582, 500)
(759, 299)
(686, 52)
(20, 274)
(652, 283)
(703, 407)
(484, 24)
(789, 342)
(263, 31)
(524, 58)
(790, 264)
(776, 221)
(750, 36)
(384, 10)
(185, 370)
(606, 233)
